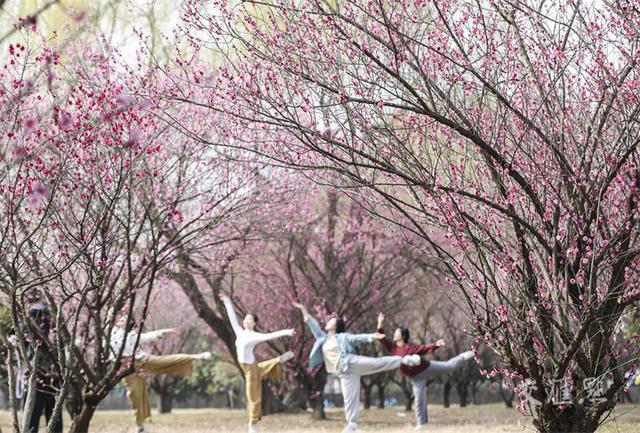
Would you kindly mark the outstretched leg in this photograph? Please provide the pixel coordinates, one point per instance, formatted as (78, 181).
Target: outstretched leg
(136, 384)
(439, 367)
(270, 369)
(181, 364)
(366, 365)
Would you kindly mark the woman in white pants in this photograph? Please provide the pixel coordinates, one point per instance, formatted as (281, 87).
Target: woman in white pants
(336, 349)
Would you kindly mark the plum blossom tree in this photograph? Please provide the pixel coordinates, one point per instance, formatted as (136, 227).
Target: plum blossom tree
(512, 126)
(329, 254)
(99, 194)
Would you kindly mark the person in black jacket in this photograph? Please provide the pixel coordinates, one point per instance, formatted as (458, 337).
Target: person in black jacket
(47, 379)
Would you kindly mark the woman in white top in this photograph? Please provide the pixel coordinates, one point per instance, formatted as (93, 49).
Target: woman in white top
(255, 372)
(126, 345)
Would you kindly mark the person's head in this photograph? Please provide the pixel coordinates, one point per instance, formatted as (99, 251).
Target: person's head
(335, 324)
(401, 335)
(121, 320)
(249, 322)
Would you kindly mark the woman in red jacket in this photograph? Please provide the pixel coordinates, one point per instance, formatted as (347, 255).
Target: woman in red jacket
(418, 374)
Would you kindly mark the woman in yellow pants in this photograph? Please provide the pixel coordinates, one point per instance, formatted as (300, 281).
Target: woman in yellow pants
(255, 373)
(123, 344)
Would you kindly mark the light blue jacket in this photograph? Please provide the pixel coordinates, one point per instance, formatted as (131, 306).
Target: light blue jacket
(345, 341)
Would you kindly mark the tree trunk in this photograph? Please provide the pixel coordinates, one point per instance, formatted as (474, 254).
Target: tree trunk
(380, 396)
(80, 423)
(575, 418)
(407, 390)
(446, 395)
(166, 402)
(317, 403)
(270, 403)
(474, 392)
(507, 397)
(462, 389)
(408, 406)
(367, 397)
(231, 399)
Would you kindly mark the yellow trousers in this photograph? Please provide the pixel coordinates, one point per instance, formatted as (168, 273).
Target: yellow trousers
(254, 374)
(136, 383)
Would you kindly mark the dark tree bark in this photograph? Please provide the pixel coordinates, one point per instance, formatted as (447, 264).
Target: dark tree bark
(446, 395)
(462, 389)
(317, 404)
(381, 388)
(166, 402)
(367, 396)
(270, 403)
(80, 423)
(507, 395)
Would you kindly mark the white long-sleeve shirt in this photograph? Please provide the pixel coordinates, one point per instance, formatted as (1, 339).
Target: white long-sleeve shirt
(119, 339)
(246, 340)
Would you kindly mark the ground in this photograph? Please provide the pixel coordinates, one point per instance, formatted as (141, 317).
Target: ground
(473, 419)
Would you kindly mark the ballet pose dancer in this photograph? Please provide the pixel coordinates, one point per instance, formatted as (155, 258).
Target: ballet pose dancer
(123, 344)
(418, 374)
(255, 372)
(336, 348)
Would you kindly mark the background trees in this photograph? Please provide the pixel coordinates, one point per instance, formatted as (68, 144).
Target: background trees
(99, 194)
(512, 127)
(329, 254)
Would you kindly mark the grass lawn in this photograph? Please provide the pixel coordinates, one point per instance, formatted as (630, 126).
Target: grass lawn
(473, 419)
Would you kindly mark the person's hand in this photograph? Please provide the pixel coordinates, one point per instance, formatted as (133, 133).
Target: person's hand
(300, 307)
(224, 297)
(13, 340)
(162, 332)
(291, 332)
(378, 336)
(440, 343)
(381, 318)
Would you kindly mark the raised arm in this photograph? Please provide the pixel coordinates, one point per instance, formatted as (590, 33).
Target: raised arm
(259, 337)
(231, 314)
(388, 344)
(364, 338)
(146, 337)
(430, 348)
(312, 323)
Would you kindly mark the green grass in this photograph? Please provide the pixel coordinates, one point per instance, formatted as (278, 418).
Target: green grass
(473, 419)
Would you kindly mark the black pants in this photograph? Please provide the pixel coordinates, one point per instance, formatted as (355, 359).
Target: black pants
(44, 405)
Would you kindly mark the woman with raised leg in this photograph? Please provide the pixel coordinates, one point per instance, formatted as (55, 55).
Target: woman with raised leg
(418, 374)
(336, 349)
(255, 372)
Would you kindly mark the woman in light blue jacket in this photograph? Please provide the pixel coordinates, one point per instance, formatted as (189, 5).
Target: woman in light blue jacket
(336, 349)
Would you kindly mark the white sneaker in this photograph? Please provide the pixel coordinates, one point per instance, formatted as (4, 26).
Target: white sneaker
(204, 356)
(420, 427)
(352, 428)
(252, 428)
(287, 356)
(469, 354)
(411, 360)
(141, 430)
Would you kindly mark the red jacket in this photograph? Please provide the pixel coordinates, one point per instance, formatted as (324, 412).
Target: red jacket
(409, 349)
